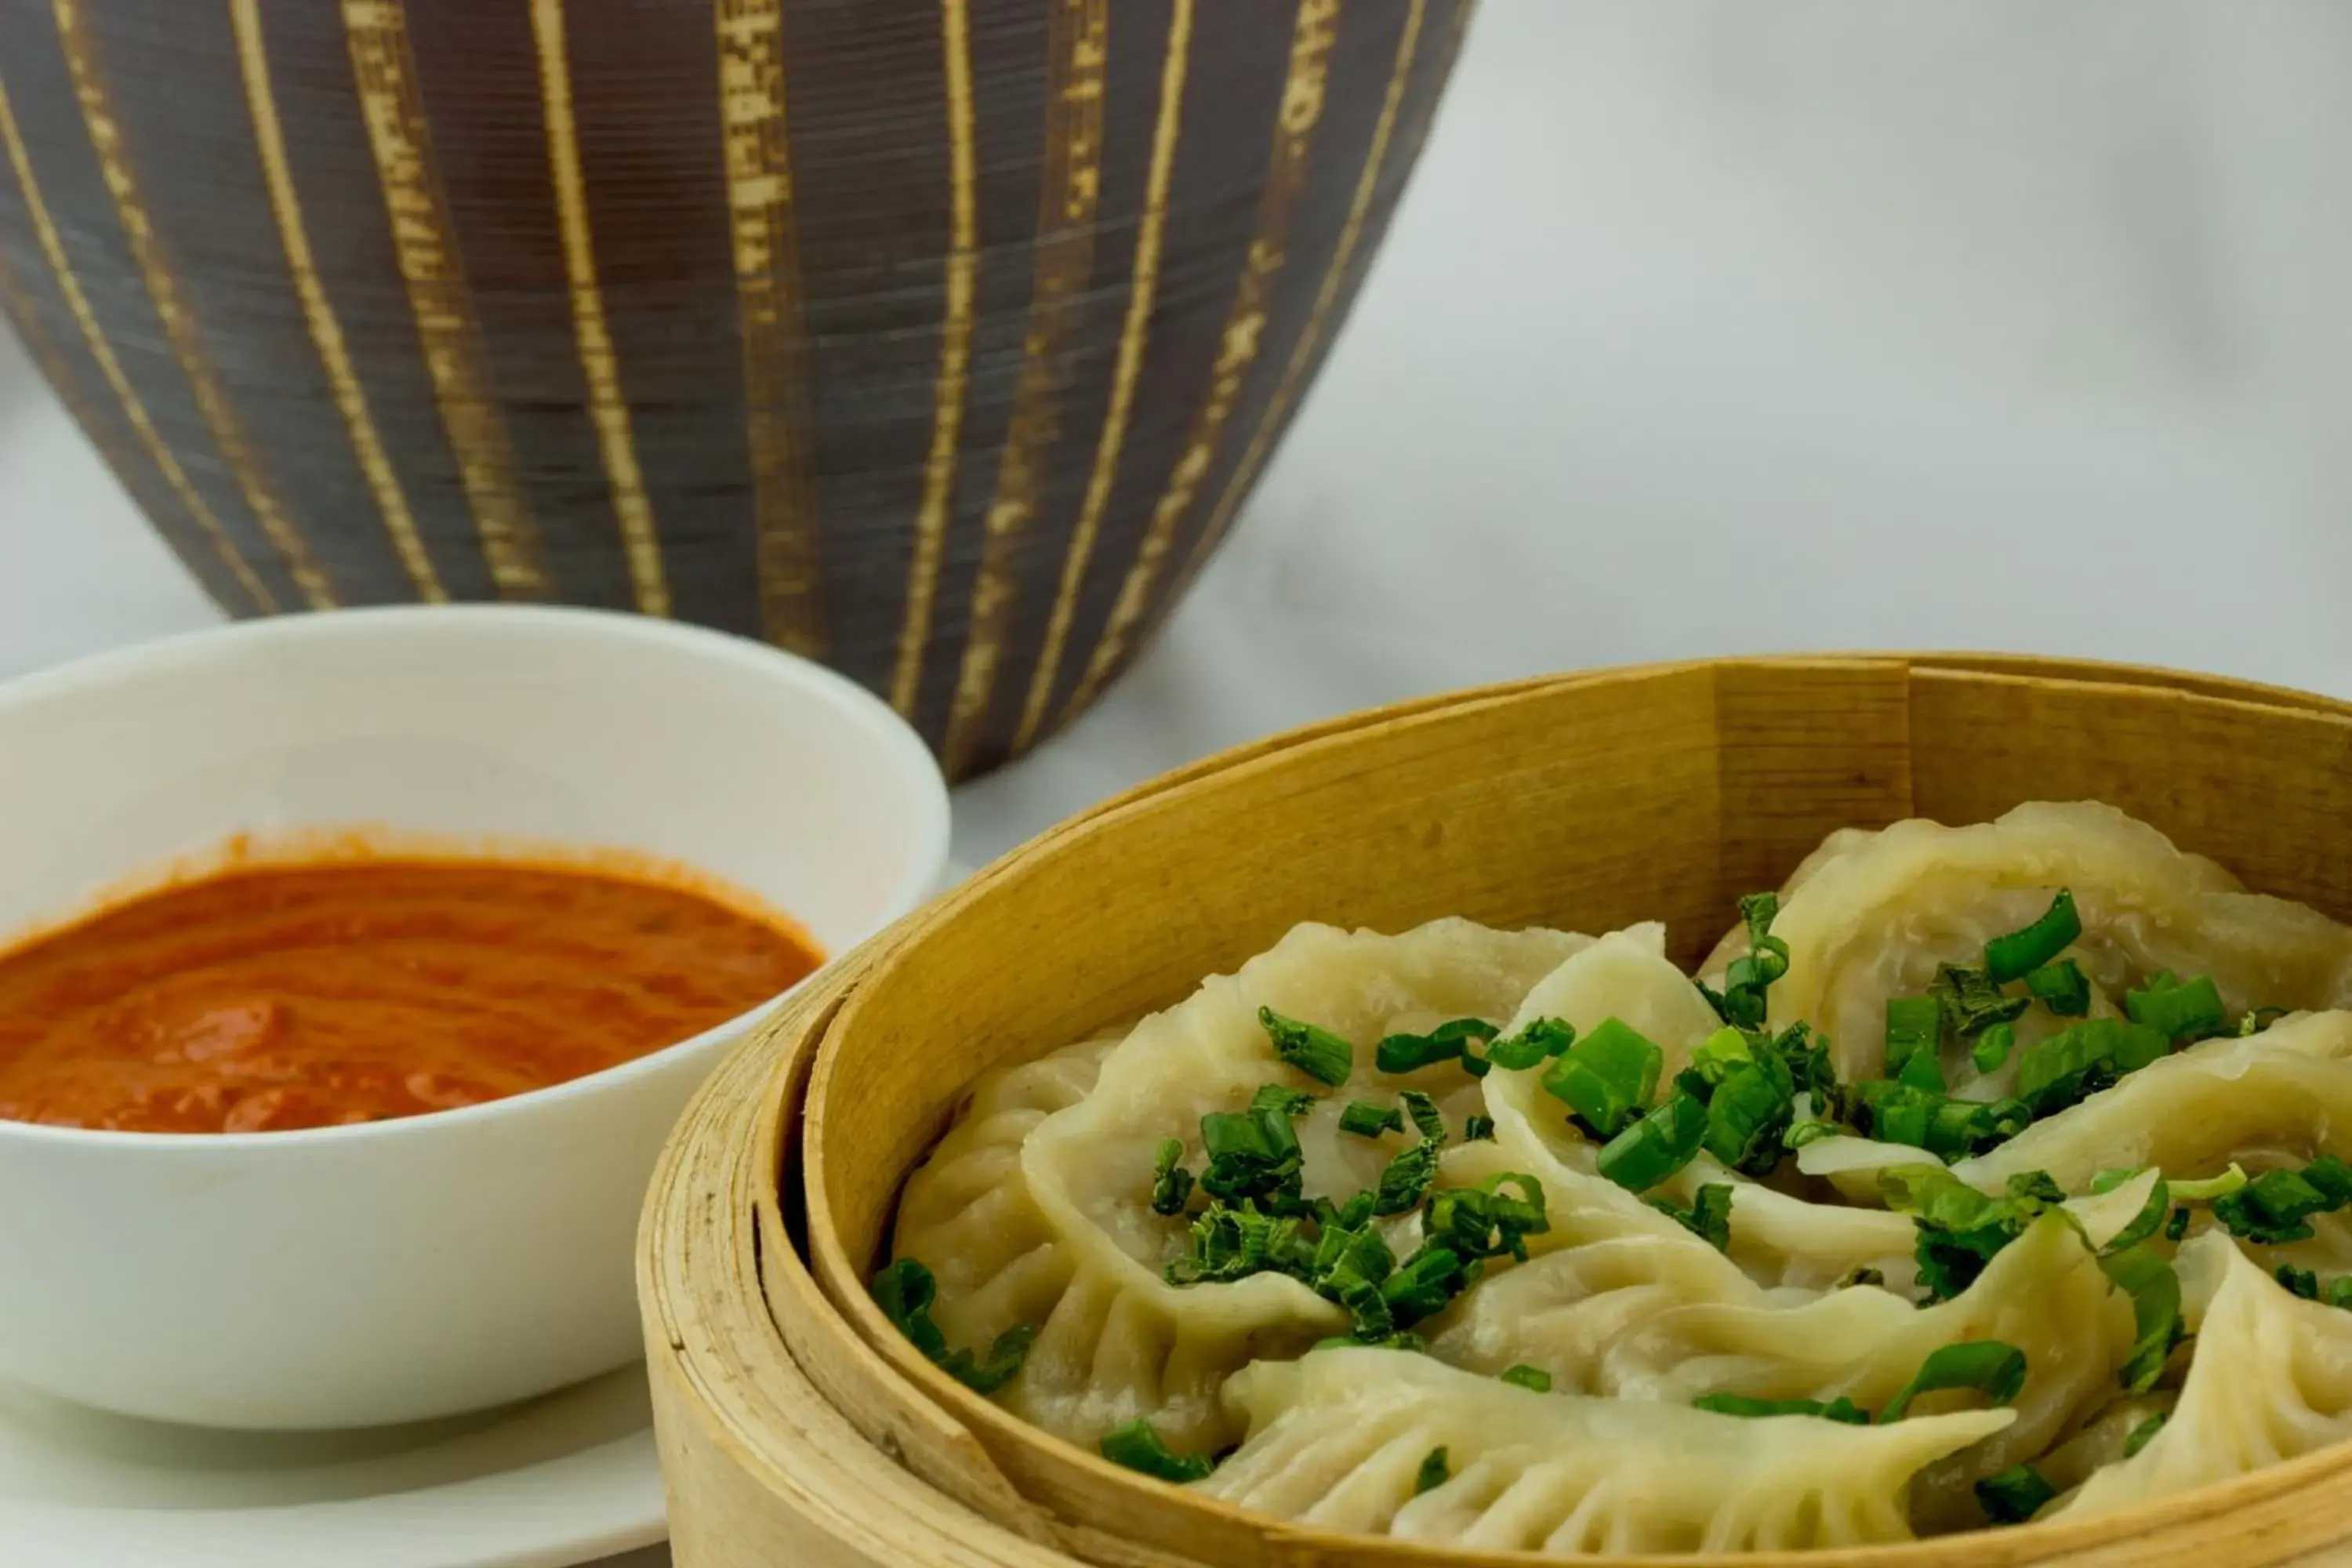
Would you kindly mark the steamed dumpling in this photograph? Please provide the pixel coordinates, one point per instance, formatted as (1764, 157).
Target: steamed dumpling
(2271, 1379)
(1338, 1440)
(1876, 920)
(2045, 1293)
(966, 1214)
(1121, 1342)
(1777, 1239)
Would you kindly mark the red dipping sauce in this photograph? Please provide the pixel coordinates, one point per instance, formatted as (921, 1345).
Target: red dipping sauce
(270, 997)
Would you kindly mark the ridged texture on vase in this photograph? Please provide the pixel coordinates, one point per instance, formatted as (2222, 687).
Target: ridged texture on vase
(941, 340)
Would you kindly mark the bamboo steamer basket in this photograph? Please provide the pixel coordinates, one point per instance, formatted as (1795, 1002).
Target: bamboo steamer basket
(797, 1426)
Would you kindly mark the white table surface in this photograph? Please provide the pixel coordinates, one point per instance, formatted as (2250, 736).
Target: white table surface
(1715, 327)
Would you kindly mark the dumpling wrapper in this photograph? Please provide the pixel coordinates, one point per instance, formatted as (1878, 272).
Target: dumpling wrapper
(1339, 1439)
(1117, 1340)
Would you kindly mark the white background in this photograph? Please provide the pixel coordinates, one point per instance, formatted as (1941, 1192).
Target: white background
(1723, 326)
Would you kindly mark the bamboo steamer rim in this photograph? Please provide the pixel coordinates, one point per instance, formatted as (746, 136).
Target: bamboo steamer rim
(856, 1328)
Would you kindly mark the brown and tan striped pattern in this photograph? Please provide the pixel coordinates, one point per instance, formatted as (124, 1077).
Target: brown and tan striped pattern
(438, 295)
(598, 364)
(768, 290)
(940, 339)
(179, 323)
(1142, 292)
(1068, 197)
(318, 314)
(52, 246)
(1311, 340)
(1244, 332)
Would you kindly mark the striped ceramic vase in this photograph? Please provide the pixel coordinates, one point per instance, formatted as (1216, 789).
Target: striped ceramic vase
(941, 340)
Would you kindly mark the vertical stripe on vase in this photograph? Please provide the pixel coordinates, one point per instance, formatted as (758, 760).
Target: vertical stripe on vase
(179, 323)
(44, 231)
(955, 359)
(1302, 353)
(190, 545)
(318, 313)
(1302, 110)
(440, 302)
(1078, 45)
(1142, 291)
(599, 364)
(757, 145)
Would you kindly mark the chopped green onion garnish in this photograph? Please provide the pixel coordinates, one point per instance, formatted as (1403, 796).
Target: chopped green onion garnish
(1898, 1113)
(1424, 1112)
(2296, 1282)
(1445, 1043)
(1840, 1409)
(906, 1290)
(1138, 1446)
(2015, 956)
(1424, 1282)
(1972, 1002)
(1805, 1132)
(1282, 1102)
(2273, 1206)
(1914, 1028)
(2146, 1223)
(1993, 1046)
(2061, 987)
(1250, 1154)
(1484, 1221)
(2155, 1292)
(1960, 1229)
(1407, 1180)
(1433, 1473)
(1318, 1053)
(1530, 1377)
(2211, 1187)
(1994, 1369)
(1862, 1276)
(2141, 1434)
(1478, 1129)
(2178, 1226)
(2077, 1062)
(1656, 1146)
(1607, 1076)
(2258, 1019)
(1708, 1217)
(1366, 1119)
(2114, 1177)
(2184, 1010)
(1747, 1111)
(2015, 1495)
(1172, 1183)
(1541, 1039)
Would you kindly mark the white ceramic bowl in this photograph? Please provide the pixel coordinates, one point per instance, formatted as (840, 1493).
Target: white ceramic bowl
(403, 1270)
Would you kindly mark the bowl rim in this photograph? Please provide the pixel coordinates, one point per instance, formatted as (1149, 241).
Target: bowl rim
(891, 734)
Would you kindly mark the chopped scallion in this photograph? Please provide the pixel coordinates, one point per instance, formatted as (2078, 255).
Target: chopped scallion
(1318, 1053)
(1366, 1119)
(1445, 1043)
(2015, 1495)
(1433, 1472)
(2018, 954)
(1138, 1446)
(2061, 987)
(1990, 1367)
(1656, 1146)
(1708, 1217)
(2141, 1434)
(1607, 1076)
(1840, 1409)
(1993, 1046)
(1530, 1377)
(1172, 1183)
(2180, 1010)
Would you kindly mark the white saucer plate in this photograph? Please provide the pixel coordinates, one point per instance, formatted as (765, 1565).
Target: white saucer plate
(566, 1480)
